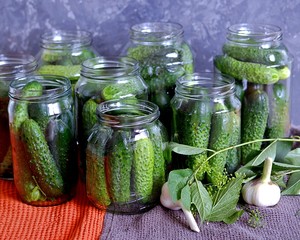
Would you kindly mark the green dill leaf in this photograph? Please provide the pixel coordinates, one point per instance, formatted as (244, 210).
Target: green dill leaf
(226, 199)
(186, 197)
(201, 200)
(293, 185)
(177, 180)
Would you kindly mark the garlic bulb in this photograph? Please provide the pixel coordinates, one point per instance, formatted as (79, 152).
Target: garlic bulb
(262, 192)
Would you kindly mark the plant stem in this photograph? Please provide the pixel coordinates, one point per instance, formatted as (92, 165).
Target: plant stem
(267, 169)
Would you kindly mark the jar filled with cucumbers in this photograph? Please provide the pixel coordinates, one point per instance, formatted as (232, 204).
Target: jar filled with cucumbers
(206, 114)
(11, 67)
(103, 79)
(125, 163)
(261, 64)
(42, 130)
(164, 56)
(62, 52)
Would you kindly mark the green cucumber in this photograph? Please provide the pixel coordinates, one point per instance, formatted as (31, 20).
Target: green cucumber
(255, 112)
(72, 72)
(89, 117)
(143, 167)
(252, 72)
(42, 164)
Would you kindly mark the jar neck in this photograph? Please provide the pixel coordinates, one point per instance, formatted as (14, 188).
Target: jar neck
(254, 34)
(16, 66)
(128, 113)
(206, 85)
(156, 33)
(59, 40)
(54, 88)
(109, 68)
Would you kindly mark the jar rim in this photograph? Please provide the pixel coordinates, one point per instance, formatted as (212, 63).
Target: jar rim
(14, 65)
(62, 39)
(205, 84)
(109, 68)
(156, 32)
(127, 112)
(54, 87)
(245, 32)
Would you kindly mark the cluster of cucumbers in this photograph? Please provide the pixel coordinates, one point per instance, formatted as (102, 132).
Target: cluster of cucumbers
(260, 75)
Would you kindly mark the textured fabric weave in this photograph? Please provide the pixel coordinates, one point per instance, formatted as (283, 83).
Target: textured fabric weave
(280, 222)
(76, 219)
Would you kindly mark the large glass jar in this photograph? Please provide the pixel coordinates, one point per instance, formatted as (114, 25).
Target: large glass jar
(11, 67)
(62, 52)
(42, 131)
(206, 114)
(125, 157)
(261, 65)
(163, 56)
(102, 79)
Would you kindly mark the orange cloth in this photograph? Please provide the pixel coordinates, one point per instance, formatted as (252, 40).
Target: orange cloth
(76, 219)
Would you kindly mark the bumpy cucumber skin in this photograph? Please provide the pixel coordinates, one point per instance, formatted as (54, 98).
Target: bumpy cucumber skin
(143, 164)
(39, 112)
(193, 124)
(220, 137)
(89, 117)
(96, 182)
(278, 122)
(71, 72)
(255, 112)
(42, 164)
(233, 159)
(252, 72)
(159, 172)
(269, 56)
(119, 165)
(31, 89)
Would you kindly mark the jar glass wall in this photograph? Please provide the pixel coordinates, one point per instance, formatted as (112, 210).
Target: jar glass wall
(42, 130)
(125, 161)
(206, 114)
(11, 68)
(261, 65)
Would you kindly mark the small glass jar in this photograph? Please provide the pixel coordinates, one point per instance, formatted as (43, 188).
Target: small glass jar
(125, 157)
(62, 53)
(11, 67)
(163, 56)
(42, 130)
(256, 57)
(206, 114)
(103, 79)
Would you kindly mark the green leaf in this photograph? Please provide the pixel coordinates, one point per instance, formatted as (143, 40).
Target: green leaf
(293, 185)
(184, 149)
(225, 201)
(177, 180)
(269, 151)
(234, 217)
(186, 197)
(293, 157)
(282, 149)
(278, 166)
(201, 200)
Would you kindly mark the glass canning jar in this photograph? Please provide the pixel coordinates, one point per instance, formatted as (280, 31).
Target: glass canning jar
(124, 155)
(206, 114)
(261, 64)
(102, 79)
(12, 66)
(163, 56)
(62, 52)
(42, 130)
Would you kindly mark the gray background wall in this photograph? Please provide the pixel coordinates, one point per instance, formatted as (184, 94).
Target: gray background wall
(204, 22)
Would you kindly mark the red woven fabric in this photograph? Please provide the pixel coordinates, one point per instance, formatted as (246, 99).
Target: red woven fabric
(76, 219)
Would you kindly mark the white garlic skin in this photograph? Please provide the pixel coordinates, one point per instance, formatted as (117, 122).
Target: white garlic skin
(261, 194)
